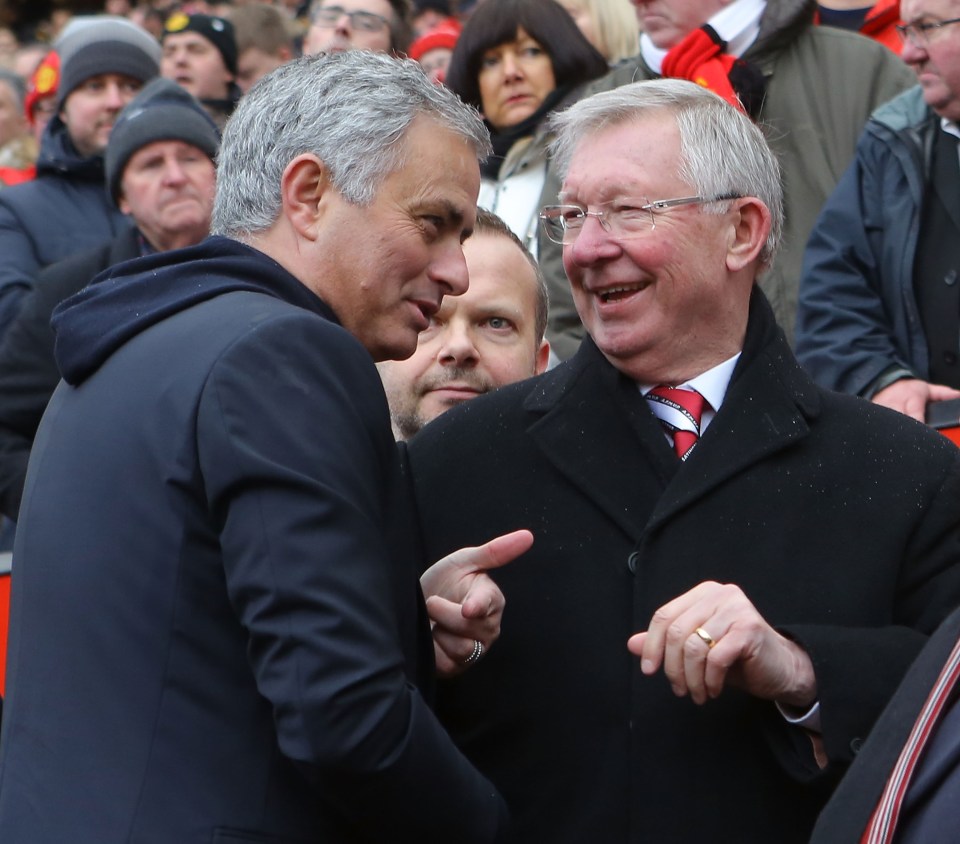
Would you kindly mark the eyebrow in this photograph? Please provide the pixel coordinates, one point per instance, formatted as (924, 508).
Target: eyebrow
(499, 308)
(453, 217)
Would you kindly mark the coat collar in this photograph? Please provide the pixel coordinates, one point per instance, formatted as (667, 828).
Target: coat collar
(592, 423)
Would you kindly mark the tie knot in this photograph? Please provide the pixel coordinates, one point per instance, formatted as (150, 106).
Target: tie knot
(687, 403)
(680, 412)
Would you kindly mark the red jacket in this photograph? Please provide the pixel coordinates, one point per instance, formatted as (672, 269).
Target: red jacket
(880, 24)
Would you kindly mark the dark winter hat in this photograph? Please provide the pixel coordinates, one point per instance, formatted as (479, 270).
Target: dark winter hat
(104, 44)
(444, 7)
(218, 31)
(162, 111)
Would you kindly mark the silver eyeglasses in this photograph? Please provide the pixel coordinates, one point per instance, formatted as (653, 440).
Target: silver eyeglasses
(919, 34)
(623, 218)
(327, 17)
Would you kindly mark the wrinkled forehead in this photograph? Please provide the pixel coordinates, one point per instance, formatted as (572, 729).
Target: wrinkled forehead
(626, 153)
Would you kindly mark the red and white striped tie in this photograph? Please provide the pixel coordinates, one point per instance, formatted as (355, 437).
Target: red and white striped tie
(679, 411)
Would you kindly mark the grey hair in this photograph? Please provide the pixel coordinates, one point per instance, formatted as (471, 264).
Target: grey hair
(722, 152)
(350, 109)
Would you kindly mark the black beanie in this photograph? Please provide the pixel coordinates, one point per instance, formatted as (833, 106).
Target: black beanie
(218, 31)
(162, 111)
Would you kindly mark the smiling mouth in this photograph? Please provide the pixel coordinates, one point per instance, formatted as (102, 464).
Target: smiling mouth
(617, 294)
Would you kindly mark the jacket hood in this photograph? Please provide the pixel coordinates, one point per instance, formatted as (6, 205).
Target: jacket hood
(125, 300)
(58, 155)
(782, 22)
(905, 111)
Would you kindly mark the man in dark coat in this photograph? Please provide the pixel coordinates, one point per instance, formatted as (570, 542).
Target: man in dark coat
(782, 574)
(167, 193)
(212, 636)
(104, 61)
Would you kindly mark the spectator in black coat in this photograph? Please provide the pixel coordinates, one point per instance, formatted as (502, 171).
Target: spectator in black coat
(160, 173)
(104, 61)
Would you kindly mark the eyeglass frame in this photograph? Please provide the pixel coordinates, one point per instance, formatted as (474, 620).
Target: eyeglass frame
(921, 31)
(603, 217)
(355, 16)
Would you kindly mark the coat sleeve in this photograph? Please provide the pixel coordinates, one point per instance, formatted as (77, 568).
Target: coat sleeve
(20, 263)
(856, 259)
(28, 377)
(847, 814)
(297, 457)
(859, 668)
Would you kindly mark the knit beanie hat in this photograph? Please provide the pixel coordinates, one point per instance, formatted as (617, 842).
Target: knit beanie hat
(162, 111)
(104, 44)
(218, 31)
(443, 35)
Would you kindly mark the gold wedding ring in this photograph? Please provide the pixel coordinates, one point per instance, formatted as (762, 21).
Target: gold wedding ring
(706, 638)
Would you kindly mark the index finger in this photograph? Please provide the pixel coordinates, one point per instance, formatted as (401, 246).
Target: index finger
(655, 641)
(493, 554)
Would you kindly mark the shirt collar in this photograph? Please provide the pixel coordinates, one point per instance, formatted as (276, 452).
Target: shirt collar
(712, 384)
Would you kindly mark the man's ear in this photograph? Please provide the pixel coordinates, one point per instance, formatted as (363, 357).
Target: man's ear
(748, 234)
(303, 186)
(543, 358)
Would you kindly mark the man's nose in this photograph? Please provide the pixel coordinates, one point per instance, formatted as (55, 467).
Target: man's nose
(912, 53)
(458, 347)
(593, 243)
(114, 96)
(173, 172)
(449, 268)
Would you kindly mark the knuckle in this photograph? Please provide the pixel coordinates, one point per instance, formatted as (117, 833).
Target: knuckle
(675, 634)
(660, 618)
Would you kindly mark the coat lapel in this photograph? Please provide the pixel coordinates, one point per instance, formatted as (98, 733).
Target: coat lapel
(594, 427)
(766, 410)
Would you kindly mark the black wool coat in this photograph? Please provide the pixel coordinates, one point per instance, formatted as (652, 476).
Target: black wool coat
(840, 520)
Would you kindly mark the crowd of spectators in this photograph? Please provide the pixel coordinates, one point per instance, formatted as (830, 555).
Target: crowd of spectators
(110, 125)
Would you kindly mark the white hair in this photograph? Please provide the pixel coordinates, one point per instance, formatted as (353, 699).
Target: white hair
(722, 152)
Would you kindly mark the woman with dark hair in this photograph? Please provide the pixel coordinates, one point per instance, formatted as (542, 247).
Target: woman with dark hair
(517, 61)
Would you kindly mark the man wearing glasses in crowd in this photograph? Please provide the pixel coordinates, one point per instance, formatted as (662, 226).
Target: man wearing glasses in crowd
(879, 312)
(382, 26)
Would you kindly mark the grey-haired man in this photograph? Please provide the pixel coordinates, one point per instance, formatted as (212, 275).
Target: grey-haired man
(212, 568)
